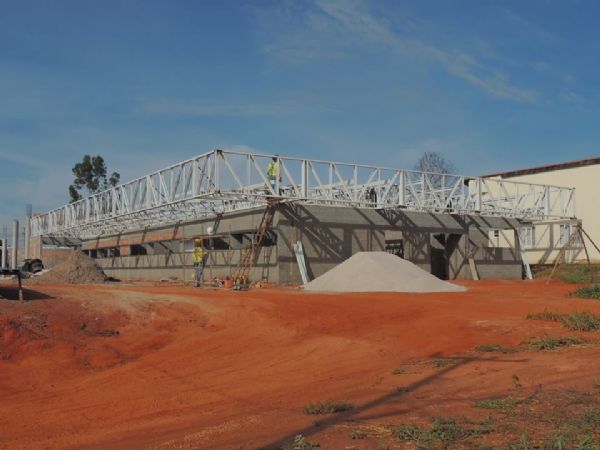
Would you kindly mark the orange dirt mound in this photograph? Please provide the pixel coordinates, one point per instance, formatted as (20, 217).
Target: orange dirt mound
(77, 268)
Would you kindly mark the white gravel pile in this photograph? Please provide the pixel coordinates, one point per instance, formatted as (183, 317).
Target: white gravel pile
(379, 272)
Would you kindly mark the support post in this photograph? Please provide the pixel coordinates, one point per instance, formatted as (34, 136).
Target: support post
(478, 198)
(402, 189)
(27, 254)
(4, 247)
(304, 179)
(15, 244)
(562, 252)
(587, 255)
(217, 168)
(519, 242)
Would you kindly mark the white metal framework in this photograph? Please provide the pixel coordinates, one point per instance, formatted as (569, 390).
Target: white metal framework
(221, 181)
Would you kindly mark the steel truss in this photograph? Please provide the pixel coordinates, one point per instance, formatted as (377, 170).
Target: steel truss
(222, 181)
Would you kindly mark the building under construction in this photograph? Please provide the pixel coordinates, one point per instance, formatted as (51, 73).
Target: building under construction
(450, 225)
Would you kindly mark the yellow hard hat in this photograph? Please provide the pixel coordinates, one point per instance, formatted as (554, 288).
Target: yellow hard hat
(198, 240)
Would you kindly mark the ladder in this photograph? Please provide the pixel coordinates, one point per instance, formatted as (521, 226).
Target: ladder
(248, 259)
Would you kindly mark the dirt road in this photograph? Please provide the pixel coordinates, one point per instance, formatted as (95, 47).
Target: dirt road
(168, 367)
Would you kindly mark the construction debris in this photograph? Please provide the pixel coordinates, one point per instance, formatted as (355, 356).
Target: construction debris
(77, 268)
(379, 272)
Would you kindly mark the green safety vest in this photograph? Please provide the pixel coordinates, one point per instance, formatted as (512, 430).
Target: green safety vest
(273, 169)
(198, 255)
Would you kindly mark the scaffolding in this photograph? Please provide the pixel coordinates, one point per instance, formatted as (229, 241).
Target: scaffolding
(222, 181)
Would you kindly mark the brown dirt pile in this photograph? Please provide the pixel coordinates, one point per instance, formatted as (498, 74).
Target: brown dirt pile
(77, 268)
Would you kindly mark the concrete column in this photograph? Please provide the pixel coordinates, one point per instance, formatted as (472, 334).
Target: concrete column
(15, 244)
(5, 247)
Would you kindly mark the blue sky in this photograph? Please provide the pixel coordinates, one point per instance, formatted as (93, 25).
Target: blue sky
(491, 85)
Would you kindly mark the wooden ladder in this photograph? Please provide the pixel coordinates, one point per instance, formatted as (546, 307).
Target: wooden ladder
(248, 259)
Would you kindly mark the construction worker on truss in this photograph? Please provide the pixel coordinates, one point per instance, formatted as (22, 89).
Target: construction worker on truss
(198, 257)
(273, 174)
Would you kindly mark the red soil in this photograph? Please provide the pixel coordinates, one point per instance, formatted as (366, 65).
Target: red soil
(165, 367)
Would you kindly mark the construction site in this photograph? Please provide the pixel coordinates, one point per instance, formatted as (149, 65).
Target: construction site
(453, 226)
(338, 306)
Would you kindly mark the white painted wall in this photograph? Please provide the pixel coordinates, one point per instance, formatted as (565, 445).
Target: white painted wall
(586, 181)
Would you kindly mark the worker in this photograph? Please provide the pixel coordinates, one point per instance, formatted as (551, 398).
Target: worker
(198, 257)
(273, 172)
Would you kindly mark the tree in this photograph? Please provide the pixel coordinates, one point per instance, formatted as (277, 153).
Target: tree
(436, 163)
(91, 175)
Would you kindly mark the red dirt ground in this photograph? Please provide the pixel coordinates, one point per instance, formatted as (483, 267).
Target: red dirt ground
(171, 367)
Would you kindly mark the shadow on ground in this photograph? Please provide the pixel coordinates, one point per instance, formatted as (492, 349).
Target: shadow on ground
(12, 293)
(336, 419)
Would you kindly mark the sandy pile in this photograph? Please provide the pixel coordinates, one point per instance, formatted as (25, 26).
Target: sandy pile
(77, 268)
(379, 272)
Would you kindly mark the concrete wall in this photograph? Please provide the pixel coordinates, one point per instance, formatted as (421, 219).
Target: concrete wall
(438, 243)
(174, 262)
(332, 234)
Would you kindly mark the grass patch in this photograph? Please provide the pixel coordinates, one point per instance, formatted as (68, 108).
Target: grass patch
(500, 403)
(493, 348)
(545, 315)
(578, 321)
(552, 442)
(398, 371)
(328, 407)
(592, 291)
(300, 443)
(441, 362)
(356, 433)
(591, 419)
(446, 431)
(581, 321)
(596, 384)
(549, 343)
(572, 273)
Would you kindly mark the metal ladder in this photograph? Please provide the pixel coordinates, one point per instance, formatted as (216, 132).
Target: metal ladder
(248, 259)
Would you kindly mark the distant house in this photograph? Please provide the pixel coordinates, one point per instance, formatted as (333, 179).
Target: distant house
(542, 241)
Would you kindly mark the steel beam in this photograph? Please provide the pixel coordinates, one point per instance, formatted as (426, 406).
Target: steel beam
(221, 181)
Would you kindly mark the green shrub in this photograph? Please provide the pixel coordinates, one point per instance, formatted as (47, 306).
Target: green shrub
(398, 371)
(356, 433)
(447, 431)
(592, 291)
(328, 407)
(578, 321)
(581, 321)
(549, 343)
(575, 273)
(500, 403)
(441, 362)
(490, 348)
(544, 315)
(300, 443)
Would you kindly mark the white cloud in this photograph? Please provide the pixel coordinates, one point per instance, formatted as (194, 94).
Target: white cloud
(346, 23)
(530, 28)
(572, 98)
